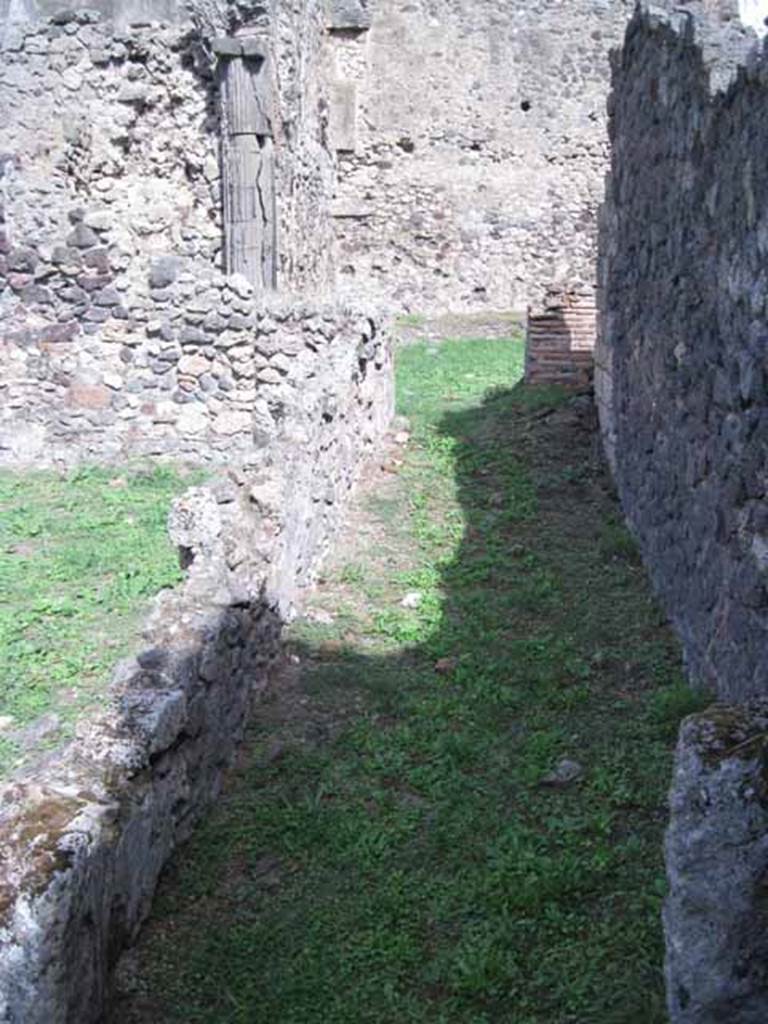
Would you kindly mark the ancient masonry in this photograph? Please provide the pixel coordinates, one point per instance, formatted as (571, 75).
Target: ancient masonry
(195, 198)
(125, 330)
(681, 384)
(166, 291)
(472, 149)
(560, 338)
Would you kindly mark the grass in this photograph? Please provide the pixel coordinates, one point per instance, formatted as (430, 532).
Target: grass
(388, 852)
(411, 320)
(80, 556)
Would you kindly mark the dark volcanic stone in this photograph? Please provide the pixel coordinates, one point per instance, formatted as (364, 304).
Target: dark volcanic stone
(22, 260)
(82, 237)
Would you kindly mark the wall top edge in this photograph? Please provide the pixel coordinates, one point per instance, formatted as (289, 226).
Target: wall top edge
(727, 48)
(121, 13)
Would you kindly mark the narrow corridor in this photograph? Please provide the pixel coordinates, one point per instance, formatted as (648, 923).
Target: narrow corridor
(451, 807)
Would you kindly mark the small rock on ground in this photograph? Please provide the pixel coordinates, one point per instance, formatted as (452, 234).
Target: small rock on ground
(565, 773)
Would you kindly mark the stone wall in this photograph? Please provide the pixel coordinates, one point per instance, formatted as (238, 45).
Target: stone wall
(122, 118)
(683, 324)
(84, 836)
(118, 122)
(120, 334)
(715, 916)
(307, 176)
(472, 148)
(681, 384)
(190, 372)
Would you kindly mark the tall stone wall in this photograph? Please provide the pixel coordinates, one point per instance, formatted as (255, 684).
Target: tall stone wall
(118, 122)
(681, 383)
(122, 117)
(684, 326)
(119, 332)
(472, 148)
(307, 178)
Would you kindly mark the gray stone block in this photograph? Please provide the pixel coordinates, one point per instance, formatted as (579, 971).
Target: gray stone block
(164, 271)
(349, 14)
(716, 914)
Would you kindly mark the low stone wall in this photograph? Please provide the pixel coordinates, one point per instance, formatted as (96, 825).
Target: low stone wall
(89, 371)
(84, 836)
(681, 386)
(122, 338)
(716, 918)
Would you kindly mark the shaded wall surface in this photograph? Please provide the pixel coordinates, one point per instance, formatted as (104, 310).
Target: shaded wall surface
(681, 386)
(682, 355)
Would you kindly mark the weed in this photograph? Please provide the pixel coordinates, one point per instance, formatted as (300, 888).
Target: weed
(669, 705)
(352, 574)
(616, 542)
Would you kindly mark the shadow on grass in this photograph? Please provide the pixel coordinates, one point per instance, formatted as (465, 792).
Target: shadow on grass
(402, 843)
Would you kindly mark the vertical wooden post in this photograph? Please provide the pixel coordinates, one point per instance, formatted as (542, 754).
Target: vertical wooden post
(250, 213)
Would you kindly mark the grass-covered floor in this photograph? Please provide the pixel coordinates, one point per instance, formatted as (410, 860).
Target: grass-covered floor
(80, 556)
(387, 852)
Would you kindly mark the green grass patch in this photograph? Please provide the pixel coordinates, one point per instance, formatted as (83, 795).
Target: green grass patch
(435, 378)
(80, 557)
(402, 861)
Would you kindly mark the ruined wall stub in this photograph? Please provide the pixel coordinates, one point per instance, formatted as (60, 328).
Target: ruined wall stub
(560, 339)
